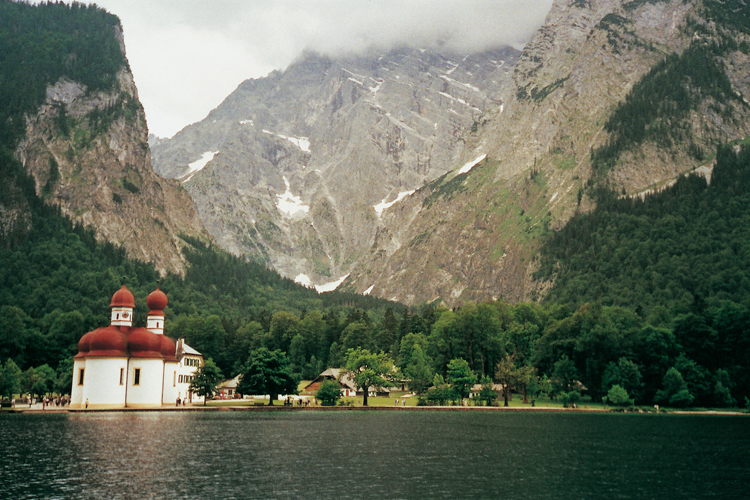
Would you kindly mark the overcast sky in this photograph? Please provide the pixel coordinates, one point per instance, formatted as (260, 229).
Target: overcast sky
(188, 55)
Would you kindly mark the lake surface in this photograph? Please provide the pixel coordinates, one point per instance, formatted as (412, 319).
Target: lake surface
(373, 454)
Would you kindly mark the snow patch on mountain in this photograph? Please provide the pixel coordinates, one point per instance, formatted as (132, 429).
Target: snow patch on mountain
(331, 285)
(198, 165)
(301, 142)
(383, 205)
(303, 280)
(290, 204)
(466, 168)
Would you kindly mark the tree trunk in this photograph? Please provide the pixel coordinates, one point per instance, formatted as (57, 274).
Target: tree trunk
(506, 394)
(525, 396)
(271, 397)
(364, 401)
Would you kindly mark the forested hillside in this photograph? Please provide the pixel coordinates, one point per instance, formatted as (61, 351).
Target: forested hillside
(676, 262)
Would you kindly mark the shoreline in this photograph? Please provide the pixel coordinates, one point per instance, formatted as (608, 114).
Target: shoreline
(266, 408)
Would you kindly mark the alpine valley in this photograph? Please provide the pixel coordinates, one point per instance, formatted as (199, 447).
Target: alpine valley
(429, 177)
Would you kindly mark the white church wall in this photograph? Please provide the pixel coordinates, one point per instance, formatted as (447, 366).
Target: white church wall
(103, 388)
(145, 387)
(76, 391)
(171, 392)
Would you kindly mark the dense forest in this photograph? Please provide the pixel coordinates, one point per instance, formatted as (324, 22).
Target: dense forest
(650, 303)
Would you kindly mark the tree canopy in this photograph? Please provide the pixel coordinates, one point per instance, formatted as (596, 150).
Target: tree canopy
(267, 372)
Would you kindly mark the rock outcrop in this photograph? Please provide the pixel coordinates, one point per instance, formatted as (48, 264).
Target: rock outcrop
(88, 153)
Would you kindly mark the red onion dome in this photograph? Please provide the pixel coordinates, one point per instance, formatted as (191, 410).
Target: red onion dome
(83, 345)
(156, 301)
(122, 298)
(144, 344)
(106, 341)
(168, 348)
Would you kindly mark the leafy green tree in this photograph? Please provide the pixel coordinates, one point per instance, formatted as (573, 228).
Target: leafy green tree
(13, 336)
(284, 326)
(460, 377)
(675, 391)
(298, 354)
(440, 392)
(697, 378)
(723, 390)
(626, 374)
(312, 328)
(570, 398)
(618, 396)
(418, 371)
(205, 380)
(10, 379)
(356, 335)
(506, 374)
(407, 347)
(387, 330)
(487, 393)
(335, 356)
(368, 370)
(565, 374)
(64, 334)
(329, 393)
(38, 381)
(267, 372)
(64, 376)
(33, 382)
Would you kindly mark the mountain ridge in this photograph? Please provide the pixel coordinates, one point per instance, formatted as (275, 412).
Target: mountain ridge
(555, 110)
(343, 137)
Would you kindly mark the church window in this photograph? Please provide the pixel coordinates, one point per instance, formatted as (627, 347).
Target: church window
(80, 376)
(174, 379)
(122, 375)
(137, 377)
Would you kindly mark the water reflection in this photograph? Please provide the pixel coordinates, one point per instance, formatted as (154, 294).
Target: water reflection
(372, 455)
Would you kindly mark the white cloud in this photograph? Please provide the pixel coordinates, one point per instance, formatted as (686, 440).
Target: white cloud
(188, 55)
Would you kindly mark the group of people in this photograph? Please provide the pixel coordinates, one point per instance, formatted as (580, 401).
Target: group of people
(45, 400)
(300, 402)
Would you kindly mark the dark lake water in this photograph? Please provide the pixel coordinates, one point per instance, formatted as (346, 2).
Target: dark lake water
(373, 454)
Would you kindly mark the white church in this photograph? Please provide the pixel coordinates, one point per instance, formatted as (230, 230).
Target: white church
(119, 366)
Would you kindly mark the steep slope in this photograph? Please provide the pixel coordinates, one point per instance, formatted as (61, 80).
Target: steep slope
(77, 127)
(296, 168)
(473, 235)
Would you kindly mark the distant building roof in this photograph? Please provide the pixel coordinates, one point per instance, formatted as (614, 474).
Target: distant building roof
(230, 384)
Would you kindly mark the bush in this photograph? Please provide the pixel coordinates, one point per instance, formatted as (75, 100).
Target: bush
(618, 396)
(569, 399)
(329, 393)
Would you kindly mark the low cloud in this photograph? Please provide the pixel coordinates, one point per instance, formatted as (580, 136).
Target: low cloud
(188, 55)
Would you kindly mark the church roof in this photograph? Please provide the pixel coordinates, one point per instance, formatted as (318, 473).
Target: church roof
(126, 342)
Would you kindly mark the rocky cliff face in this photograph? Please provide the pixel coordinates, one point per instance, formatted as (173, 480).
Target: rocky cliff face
(429, 178)
(474, 235)
(298, 167)
(88, 153)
